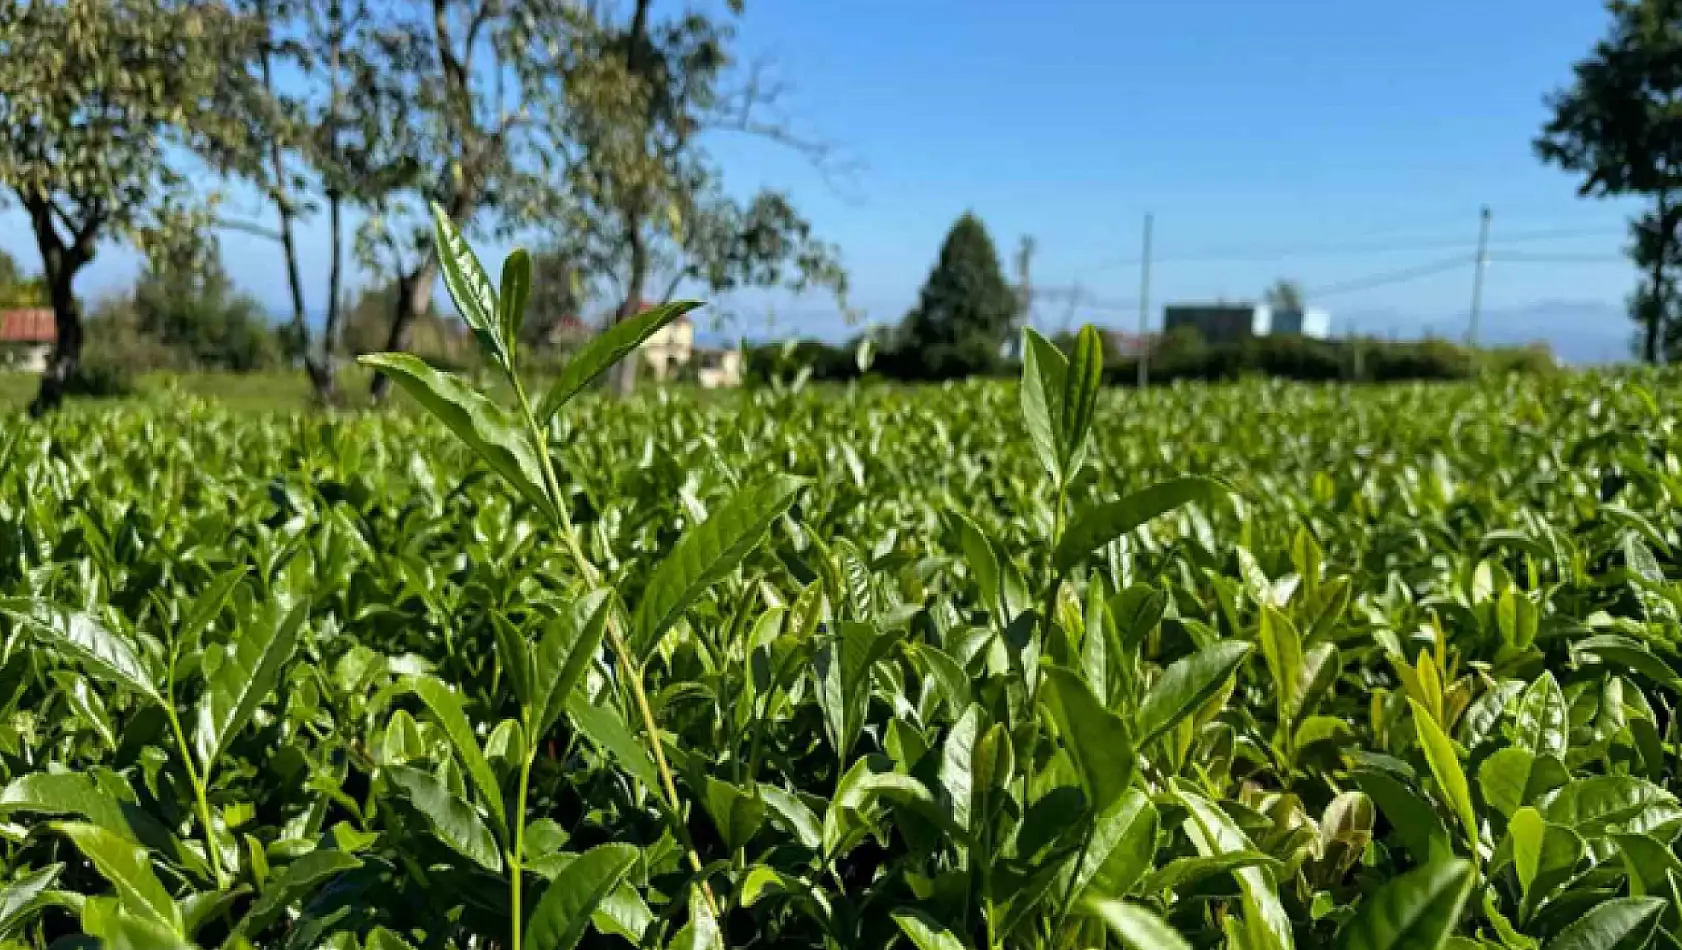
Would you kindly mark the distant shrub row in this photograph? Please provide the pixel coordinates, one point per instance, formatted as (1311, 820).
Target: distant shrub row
(1186, 357)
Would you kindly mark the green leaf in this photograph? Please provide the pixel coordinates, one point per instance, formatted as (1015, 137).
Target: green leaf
(926, 932)
(1649, 863)
(1134, 927)
(1527, 830)
(208, 605)
(605, 729)
(570, 643)
(946, 672)
(736, 814)
(1542, 722)
(563, 913)
(841, 668)
(1189, 870)
(102, 652)
(982, 561)
(605, 349)
(515, 655)
(469, 286)
(706, 553)
(485, 427)
(1044, 381)
(446, 708)
(1122, 847)
(957, 767)
(1090, 530)
(1185, 686)
(1599, 804)
(22, 899)
(1281, 647)
(1416, 911)
(126, 866)
(1445, 766)
(66, 793)
(516, 287)
(453, 820)
(1096, 739)
(248, 673)
(1084, 377)
(702, 931)
(1618, 651)
(1512, 778)
(795, 813)
(1212, 832)
(1624, 923)
(297, 882)
(1411, 817)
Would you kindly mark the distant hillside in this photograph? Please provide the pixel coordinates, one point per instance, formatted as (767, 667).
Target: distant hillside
(1582, 333)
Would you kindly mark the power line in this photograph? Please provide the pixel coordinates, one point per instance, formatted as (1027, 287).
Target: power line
(1558, 259)
(1267, 253)
(1387, 278)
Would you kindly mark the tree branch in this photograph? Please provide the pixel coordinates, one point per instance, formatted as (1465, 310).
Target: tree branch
(229, 224)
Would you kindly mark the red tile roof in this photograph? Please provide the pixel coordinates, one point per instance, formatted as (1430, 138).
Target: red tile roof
(34, 325)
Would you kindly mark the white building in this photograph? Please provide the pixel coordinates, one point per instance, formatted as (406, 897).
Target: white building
(26, 338)
(672, 350)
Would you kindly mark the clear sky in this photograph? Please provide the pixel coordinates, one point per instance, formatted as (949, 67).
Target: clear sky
(1323, 141)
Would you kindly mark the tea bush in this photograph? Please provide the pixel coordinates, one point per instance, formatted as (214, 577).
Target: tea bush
(976, 666)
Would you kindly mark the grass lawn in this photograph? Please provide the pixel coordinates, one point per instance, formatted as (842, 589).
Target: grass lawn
(254, 392)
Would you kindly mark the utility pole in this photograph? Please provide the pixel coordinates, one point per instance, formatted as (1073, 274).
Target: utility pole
(1024, 316)
(1145, 308)
(1477, 277)
(1355, 350)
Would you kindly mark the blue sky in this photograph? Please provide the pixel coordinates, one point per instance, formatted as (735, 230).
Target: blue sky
(1362, 137)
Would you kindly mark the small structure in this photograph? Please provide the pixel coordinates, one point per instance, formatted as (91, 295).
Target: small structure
(1119, 344)
(718, 368)
(671, 354)
(26, 338)
(1229, 323)
(670, 348)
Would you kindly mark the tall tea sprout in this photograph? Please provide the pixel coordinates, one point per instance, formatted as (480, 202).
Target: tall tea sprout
(543, 672)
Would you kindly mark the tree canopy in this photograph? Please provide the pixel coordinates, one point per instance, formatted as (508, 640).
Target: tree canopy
(1284, 295)
(1618, 127)
(104, 101)
(964, 312)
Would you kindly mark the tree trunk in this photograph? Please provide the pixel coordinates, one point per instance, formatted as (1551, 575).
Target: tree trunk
(414, 299)
(1653, 327)
(624, 376)
(625, 372)
(327, 385)
(67, 347)
(60, 263)
(281, 194)
(325, 374)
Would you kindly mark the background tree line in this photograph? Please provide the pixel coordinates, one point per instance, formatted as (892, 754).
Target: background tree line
(579, 128)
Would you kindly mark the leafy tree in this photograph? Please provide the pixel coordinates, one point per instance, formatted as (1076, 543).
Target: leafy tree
(1285, 295)
(192, 306)
(103, 100)
(16, 290)
(642, 199)
(331, 145)
(964, 314)
(433, 337)
(467, 116)
(557, 293)
(1618, 126)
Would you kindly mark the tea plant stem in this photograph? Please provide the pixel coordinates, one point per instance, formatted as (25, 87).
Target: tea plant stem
(198, 789)
(633, 669)
(517, 856)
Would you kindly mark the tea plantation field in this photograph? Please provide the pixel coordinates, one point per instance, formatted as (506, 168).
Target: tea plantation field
(1259, 667)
